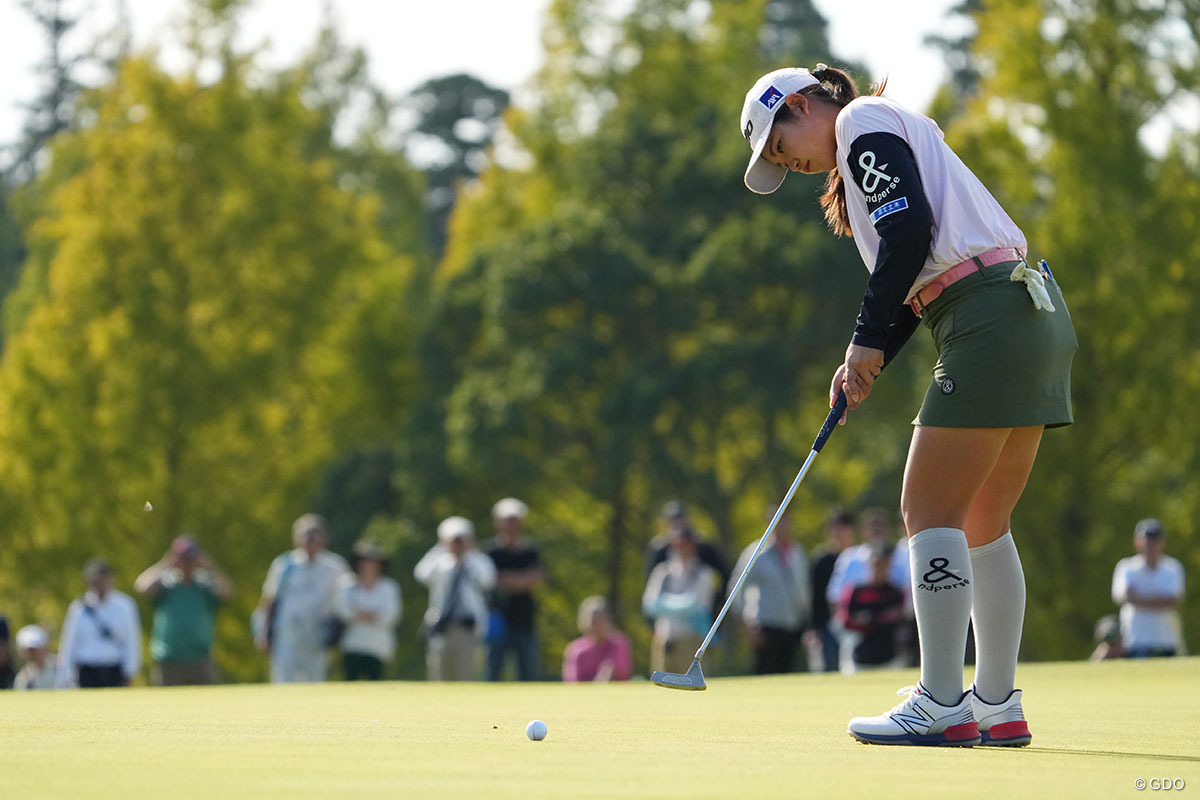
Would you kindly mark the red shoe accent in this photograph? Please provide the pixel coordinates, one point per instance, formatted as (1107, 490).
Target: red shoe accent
(1009, 730)
(967, 730)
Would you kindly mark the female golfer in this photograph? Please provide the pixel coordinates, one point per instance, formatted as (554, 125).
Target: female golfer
(939, 248)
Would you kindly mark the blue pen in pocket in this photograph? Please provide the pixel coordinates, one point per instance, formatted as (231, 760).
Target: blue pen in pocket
(1045, 268)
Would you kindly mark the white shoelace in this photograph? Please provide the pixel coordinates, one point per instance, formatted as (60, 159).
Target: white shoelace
(907, 693)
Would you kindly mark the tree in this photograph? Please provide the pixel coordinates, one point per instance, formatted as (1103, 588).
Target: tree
(1059, 130)
(620, 323)
(456, 119)
(220, 314)
(53, 110)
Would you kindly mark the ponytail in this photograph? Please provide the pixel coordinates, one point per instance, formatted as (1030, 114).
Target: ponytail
(836, 88)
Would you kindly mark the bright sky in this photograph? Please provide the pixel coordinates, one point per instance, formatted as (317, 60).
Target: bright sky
(410, 41)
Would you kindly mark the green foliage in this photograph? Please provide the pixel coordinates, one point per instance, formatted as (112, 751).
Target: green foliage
(217, 316)
(12, 250)
(1058, 131)
(226, 312)
(622, 323)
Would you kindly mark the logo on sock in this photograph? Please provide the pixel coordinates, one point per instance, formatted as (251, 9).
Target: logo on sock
(935, 579)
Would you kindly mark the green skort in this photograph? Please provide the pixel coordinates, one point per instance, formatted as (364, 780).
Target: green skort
(1002, 363)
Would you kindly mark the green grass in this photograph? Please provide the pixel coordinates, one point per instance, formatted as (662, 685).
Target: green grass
(1096, 727)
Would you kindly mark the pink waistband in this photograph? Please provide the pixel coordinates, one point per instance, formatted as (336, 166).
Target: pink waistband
(930, 291)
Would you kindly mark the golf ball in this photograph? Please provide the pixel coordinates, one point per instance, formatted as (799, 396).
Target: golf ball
(536, 730)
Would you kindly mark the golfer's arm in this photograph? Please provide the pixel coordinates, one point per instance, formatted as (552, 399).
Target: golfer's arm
(904, 222)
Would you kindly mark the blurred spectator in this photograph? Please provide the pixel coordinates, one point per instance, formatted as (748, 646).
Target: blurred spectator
(6, 660)
(186, 590)
(101, 642)
(457, 575)
(38, 671)
(774, 600)
(874, 610)
(852, 569)
(518, 570)
(1108, 639)
(821, 640)
(369, 603)
(675, 517)
(1148, 587)
(679, 598)
(297, 605)
(602, 653)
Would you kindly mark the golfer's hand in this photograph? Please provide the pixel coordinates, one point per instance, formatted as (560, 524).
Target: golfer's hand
(862, 367)
(835, 388)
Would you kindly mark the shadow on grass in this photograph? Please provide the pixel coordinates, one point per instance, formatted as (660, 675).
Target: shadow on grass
(1105, 753)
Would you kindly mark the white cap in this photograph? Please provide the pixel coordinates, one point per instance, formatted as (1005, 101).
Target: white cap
(452, 527)
(32, 637)
(758, 115)
(509, 507)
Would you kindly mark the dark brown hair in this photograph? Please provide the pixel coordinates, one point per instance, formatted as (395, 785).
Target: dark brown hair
(835, 88)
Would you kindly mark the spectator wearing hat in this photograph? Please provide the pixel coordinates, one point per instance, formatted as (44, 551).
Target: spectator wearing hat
(675, 517)
(6, 660)
(186, 589)
(1149, 587)
(512, 625)
(678, 599)
(101, 642)
(297, 605)
(458, 577)
(602, 653)
(369, 603)
(774, 601)
(38, 671)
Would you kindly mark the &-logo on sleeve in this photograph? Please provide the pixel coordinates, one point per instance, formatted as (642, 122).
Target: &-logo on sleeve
(884, 171)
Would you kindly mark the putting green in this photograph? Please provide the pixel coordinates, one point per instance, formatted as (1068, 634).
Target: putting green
(1097, 729)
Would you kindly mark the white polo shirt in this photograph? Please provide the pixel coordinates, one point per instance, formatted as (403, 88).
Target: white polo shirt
(967, 220)
(1148, 627)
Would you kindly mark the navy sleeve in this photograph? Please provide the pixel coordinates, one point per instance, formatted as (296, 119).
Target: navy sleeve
(884, 170)
(899, 332)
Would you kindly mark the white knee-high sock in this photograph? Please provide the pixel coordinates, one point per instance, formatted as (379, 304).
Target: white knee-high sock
(999, 614)
(940, 563)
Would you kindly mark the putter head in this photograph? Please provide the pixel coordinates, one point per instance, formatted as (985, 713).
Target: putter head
(692, 680)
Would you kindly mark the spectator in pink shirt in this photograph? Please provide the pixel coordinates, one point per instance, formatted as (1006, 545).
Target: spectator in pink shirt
(602, 654)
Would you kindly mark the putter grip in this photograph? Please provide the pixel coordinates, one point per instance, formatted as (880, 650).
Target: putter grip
(831, 422)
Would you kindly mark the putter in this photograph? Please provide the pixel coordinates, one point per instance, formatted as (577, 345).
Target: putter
(693, 679)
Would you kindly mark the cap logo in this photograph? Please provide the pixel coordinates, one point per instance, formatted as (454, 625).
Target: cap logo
(771, 97)
(749, 129)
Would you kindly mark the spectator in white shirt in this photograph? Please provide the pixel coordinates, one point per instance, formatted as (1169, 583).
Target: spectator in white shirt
(679, 598)
(39, 671)
(101, 642)
(853, 564)
(774, 601)
(458, 576)
(1149, 588)
(369, 603)
(298, 604)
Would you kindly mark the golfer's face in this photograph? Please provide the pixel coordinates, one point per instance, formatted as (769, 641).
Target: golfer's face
(802, 144)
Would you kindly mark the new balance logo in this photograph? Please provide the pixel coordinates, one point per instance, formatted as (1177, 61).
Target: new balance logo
(913, 719)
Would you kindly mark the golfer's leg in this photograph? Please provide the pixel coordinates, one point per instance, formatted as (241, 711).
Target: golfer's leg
(998, 605)
(946, 469)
